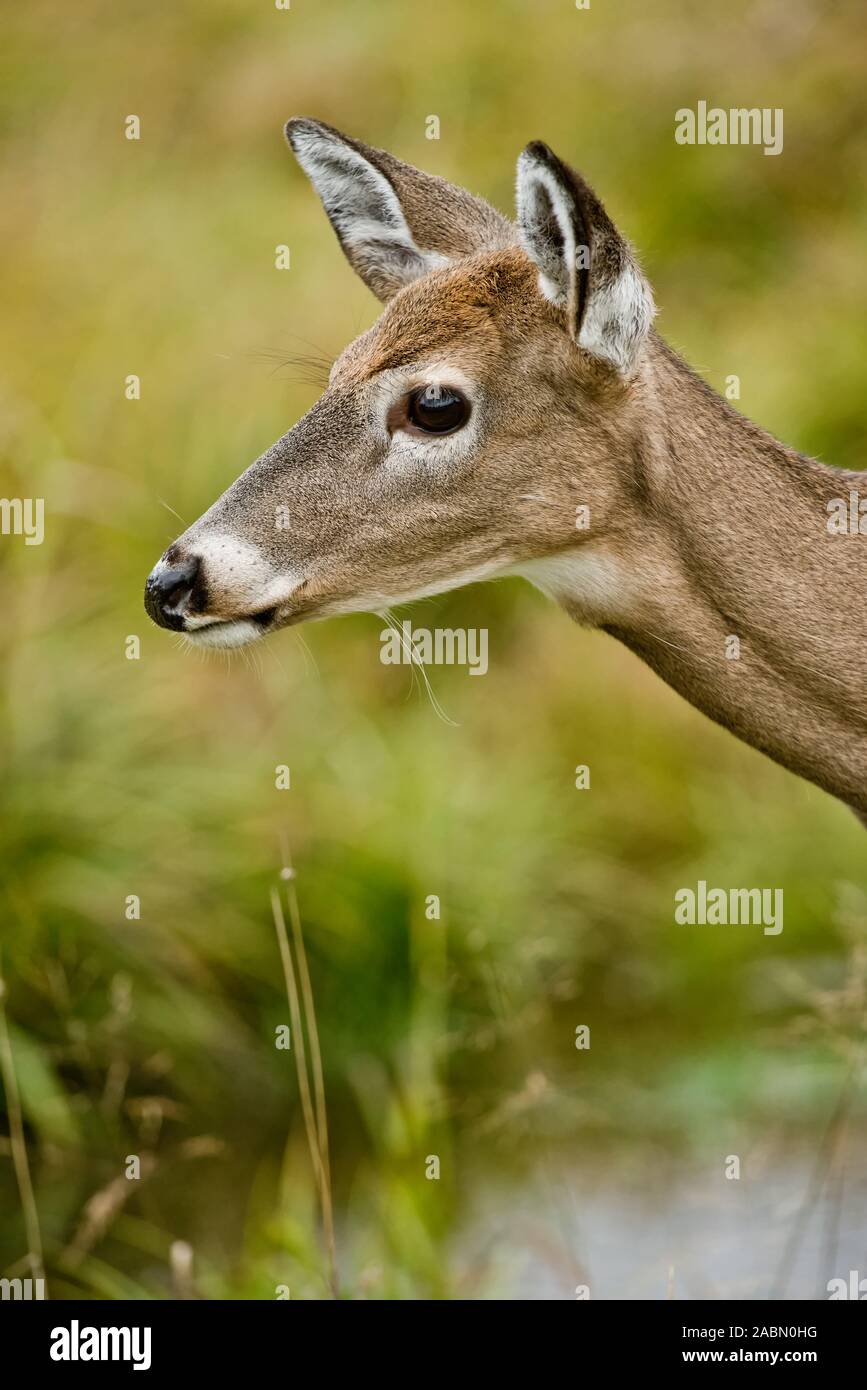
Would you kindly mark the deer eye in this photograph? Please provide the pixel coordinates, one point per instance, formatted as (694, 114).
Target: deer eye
(437, 409)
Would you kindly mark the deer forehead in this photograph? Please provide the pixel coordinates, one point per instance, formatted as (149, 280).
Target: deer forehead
(469, 310)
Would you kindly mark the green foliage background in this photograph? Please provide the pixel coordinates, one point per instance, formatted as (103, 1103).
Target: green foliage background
(156, 777)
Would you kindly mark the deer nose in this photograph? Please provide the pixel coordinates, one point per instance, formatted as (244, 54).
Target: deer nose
(169, 589)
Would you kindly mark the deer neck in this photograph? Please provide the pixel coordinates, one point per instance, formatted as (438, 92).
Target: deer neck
(726, 580)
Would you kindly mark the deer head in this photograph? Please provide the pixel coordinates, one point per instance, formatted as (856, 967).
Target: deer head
(502, 388)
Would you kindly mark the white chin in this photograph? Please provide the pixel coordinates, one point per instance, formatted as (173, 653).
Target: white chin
(237, 633)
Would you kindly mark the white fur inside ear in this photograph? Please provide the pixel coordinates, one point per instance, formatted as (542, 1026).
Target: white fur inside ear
(617, 318)
(363, 207)
(618, 312)
(539, 194)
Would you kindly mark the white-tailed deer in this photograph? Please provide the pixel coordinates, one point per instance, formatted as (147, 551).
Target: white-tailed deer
(512, 386)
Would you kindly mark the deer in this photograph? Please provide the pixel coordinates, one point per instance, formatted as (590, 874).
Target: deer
(513, 411)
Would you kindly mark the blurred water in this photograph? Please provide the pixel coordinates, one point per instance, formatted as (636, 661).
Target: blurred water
(685, 1235)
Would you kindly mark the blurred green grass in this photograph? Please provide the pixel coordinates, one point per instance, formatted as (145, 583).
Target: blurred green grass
(156, 777)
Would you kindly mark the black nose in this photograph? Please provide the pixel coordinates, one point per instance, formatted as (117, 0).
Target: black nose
(169, 588)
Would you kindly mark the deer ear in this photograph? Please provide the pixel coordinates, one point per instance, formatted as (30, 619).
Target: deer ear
(585, 266)
(394, 222)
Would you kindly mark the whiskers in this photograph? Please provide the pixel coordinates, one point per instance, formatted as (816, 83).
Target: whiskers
(311, 368)
(416, 665)
(250, 656)
(306, 651)
(253, 659)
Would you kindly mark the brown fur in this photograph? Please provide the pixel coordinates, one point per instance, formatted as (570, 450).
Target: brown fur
(703, 526)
